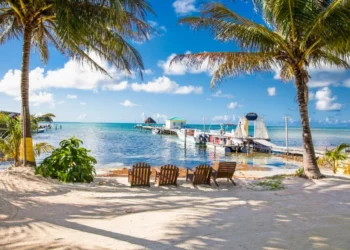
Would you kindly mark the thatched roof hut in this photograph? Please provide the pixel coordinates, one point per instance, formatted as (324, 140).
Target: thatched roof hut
(149, 120)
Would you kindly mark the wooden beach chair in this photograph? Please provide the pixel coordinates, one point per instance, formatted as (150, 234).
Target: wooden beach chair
(224, 170)
(201, 175)
(140, 174)
(167, 175)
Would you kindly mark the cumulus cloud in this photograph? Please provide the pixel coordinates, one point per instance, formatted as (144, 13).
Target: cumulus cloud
(165, 85)
(321, 83)
(325, 100)
(183, 7)
(83, 103)
(71, 97)
(128, 103)
(73, 75)
(160, 117)
(116, 86)
(233, 105)
(271, 91)
(221, 95)
(40, 98)
(179, 68)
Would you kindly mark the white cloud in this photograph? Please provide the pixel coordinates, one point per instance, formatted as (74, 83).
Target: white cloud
(71, 96)
(221, 118)
(347, 83)
(325, 101)
(183, 7)
(83, 103)
(147, 72)
(233, 105)
(221, 95)
(160, 28)
(179, 68)
(321, 83)
(159, 117)
(271, 91)
(60, 102)
(143, 116)
(73, 75)
(116, 86)
(208, 99)
(165, 85)
(40, 98)
(81, 117)
(128, 103)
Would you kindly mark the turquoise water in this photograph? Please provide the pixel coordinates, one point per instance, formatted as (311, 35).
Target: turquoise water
(119, 144)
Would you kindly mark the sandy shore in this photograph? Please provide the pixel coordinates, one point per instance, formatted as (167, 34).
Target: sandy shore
(38, 213)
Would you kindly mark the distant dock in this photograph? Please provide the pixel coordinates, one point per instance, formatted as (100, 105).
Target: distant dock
(163, 131)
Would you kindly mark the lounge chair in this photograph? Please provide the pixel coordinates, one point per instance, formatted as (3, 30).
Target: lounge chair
(140, 174)
(224, 170)
(167, 175)
(201, 175)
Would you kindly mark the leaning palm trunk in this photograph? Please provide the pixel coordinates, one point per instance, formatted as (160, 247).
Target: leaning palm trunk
(309, 158)
(26, 148)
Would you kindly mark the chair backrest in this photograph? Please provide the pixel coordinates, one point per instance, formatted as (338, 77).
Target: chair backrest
(141, 173)
(225, 169)
(168, 175)
(202, 174)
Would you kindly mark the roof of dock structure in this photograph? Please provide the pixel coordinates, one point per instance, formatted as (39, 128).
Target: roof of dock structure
(176, 118)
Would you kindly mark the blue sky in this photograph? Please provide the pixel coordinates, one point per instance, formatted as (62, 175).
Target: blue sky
(75, 93)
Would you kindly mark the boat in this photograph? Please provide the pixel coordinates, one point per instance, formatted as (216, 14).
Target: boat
(39, 130)
(195, 136)
(156, 131)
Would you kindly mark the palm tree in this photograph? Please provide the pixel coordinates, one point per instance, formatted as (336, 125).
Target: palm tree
(332, 157)
(76, 29)
(297, 34)
(10, 140)
(36, 119)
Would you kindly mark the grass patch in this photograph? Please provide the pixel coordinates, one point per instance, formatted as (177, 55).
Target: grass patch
(273, 183)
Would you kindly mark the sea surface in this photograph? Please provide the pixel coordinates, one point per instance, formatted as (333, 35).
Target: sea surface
(120, 144)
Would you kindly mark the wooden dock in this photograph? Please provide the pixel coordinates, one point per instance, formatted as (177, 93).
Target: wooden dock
(163, 131)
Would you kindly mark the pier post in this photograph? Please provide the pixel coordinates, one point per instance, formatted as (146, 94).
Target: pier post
(286, 121)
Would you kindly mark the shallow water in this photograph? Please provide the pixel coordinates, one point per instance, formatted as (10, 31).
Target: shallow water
(118, 145)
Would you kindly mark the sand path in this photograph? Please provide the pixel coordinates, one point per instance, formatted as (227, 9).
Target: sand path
(36, 213)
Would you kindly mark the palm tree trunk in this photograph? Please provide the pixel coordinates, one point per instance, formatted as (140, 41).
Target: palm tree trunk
(311, 169)
(26, 152)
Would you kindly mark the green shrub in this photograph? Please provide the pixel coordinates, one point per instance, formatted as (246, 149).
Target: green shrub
(69, 163)
(300, 172)
(273, 183)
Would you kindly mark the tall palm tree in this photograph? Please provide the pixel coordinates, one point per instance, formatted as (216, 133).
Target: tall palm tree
(296, 34)
(76, 29)
(332, 157)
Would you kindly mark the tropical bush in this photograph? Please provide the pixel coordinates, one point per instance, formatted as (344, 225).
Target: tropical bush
(10, 140)
(69, 163)
(332, 157)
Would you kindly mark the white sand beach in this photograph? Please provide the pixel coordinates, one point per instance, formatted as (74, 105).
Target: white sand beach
(39, 213)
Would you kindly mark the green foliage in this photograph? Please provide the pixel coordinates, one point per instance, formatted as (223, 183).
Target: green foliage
(80, 29)
(272, 183)
(10, 139)
(332, 157)
(69, 163)
(300, 172)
